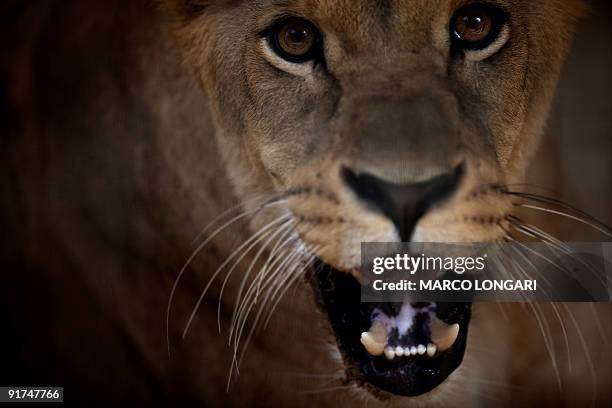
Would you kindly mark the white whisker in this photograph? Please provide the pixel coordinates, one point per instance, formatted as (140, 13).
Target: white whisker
(198, 249)
(257, 236)
(570, 216)
(271, 237)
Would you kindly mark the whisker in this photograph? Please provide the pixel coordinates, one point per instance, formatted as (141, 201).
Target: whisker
(242, 302)
(271, 290)
(586, 352)
(280, 245)
(249, 299)
(559, 246)
(307, 265)
(197, 251)
(553, 244)
(529, 263)
(598, 322)
(271, 237)
(295, 255)
(257, 236)
(556, 202)
(536, 253)
(541, 321)
(288, 283)
(243, 204)
(565, 336)
(240, 324)
(603, 229)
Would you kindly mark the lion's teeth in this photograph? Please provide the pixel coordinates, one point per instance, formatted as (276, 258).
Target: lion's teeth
(443, 335)
(391, 352)
(371, 346)
(375, 339)
(431, 349)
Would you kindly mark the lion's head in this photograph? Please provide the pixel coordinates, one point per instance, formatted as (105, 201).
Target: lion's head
(361, 121)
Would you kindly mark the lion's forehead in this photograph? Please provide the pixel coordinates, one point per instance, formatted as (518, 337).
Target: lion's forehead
(399, 20)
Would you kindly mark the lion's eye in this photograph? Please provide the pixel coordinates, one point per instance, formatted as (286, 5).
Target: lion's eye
(296, 40)
(475, 26)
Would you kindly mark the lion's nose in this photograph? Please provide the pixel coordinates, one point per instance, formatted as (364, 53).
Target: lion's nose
(404, 204)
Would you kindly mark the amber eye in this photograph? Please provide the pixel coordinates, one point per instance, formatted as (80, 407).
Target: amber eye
(295, 39)
(475, 26)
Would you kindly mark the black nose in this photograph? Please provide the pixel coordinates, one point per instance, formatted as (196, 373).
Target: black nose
(404, 204)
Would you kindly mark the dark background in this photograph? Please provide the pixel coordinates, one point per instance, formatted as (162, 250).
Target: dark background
(580, 128)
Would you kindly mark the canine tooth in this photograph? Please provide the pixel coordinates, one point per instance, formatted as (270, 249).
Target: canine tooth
(375, 339)
(389, 353)
(431, 349)
(421, 349)
(413, 350)
(443, 335)
(399, 351)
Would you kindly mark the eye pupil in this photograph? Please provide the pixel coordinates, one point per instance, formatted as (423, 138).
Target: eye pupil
(295, 40)
(296, 35)
(475, 26)
(474, 23)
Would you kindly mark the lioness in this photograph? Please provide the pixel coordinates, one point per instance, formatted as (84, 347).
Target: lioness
(319, 124)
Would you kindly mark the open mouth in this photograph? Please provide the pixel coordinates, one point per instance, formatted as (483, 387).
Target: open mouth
(405, 349)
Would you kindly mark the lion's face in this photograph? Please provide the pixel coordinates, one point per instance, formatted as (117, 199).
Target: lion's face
(395, 120)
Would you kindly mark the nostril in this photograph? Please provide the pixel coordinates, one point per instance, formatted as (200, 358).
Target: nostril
(404, 204)
(443, 186)
(366, 186)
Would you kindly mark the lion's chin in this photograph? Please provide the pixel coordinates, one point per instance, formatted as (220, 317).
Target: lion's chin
(405, 349)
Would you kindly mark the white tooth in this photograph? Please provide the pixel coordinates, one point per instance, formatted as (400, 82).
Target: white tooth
(421, 349)
(372, 347)
(431, 349)
(399, 351)
(443, 335)
(375, 340)
(389, 353)
(413, 350)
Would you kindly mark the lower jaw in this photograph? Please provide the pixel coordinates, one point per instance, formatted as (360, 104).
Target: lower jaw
(339, 296)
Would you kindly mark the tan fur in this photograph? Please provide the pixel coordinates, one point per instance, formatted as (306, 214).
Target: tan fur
(133, 125)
